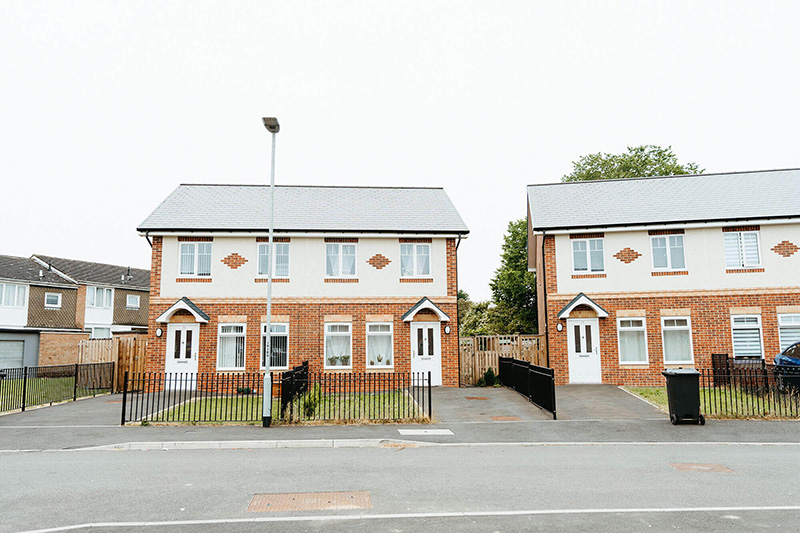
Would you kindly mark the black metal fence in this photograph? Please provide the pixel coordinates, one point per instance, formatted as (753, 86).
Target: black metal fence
(297, 396)
(741, 389)
(537, 383)
(31, 386)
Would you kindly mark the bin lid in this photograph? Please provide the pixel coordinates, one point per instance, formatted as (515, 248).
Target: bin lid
(680, 372)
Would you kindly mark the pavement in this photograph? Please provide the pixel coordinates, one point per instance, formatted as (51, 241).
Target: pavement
(462, 417)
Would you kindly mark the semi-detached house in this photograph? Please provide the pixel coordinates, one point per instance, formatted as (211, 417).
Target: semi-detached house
(638, 275)
(365, 280)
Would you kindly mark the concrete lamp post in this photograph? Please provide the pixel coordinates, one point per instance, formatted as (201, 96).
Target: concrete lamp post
(271, 123)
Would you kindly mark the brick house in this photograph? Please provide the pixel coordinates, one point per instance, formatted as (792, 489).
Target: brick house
(365, 280)
(48, 304)
(634, 276)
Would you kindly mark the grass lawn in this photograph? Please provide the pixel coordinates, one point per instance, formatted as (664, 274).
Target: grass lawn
(733, 402)
(40, 391)
(312, 407)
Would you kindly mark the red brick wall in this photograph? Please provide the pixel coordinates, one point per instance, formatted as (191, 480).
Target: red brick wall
(710, 325)
(59, 348)
(306, 332)
(155, 267)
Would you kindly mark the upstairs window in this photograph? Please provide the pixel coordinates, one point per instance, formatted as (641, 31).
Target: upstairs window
(132, 301)
(340, 260)
(415, 260)
(741, 249)
(98, 297)
(195, 259)
(52, 300)
(279, 339)
(280, 265)
(747, 336)
(587, 255)
(12, 295)
(668, 252)
(788, 330)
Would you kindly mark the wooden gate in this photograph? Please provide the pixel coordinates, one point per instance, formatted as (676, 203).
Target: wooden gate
(480, 353)
(127, 352)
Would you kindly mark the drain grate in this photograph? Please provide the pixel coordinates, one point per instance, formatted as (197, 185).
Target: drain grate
(310, 501)
(506, 418)
(711, 468)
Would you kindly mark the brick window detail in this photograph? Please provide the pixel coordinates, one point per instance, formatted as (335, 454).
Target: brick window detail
(598, 235)
(378, 261)
(587, 276)
(340, 280)
(627, 255)
(234, 260)
(195, 239)
(340, 239)
(422, 240)
(416, 280)
(785, 248)
(193, 280)
(276, 239)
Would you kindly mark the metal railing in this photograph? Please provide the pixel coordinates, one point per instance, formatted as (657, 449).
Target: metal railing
(297, 396)
(751, 389)
(31, 386)
(537, 383)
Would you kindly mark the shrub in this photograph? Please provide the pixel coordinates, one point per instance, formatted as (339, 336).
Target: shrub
(490, 378)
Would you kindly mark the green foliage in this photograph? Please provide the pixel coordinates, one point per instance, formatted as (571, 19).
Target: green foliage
(513, 287)
(489, 379)
(311, 401)
(640, 161)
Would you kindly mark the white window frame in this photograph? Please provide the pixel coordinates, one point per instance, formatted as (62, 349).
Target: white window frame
(669, 266)
(339, 256)
(18, 289)
(273, 260)
(741, 249)
(389, 334)
(274, 334)
(415, 255)
(588, 252)
(734, 327)
(94, 334)
(340, 334)
(794, 324)
(196, 260)
(92, 302)
(643, 328)
(221, 335)
(128, 304)
(56, 305)
(688, 327)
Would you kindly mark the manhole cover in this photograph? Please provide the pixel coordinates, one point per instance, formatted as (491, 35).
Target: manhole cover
(506, 418)
(310, 501)
(477, 398)
(711, 468)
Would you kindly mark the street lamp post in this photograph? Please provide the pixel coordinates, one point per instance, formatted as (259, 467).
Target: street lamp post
(271, 123)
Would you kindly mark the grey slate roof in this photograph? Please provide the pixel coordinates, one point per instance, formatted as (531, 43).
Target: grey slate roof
(670, 199)
(27, 270)
(100, 273)
(306, 208)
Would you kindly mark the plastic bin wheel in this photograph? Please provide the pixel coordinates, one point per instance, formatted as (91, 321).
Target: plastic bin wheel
(673, 419)
(702, 420)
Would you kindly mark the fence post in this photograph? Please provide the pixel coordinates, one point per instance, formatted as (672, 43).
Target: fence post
(124, 397)
(24, 386)
(75, 385)
(430, 396)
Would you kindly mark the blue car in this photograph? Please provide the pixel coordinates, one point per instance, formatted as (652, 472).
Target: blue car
(790, 356)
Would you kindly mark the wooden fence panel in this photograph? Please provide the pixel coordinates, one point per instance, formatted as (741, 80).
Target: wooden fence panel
(480, 353)
(128, 354)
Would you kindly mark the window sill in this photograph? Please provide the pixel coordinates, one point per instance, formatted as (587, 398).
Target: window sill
(274, 280)
(192, 280)
(379, 369)
(52, 307)
(747, 270)
(275, 369)
(669, 273)
(588, 276)
(341, 280)
(672, 364)
(231, 370)
(338, 369)
(416, 280)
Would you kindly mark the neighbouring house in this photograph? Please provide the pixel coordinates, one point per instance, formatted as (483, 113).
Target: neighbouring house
(45, 312)
(365, 280)
(638, 275)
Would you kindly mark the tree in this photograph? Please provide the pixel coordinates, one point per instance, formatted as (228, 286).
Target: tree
(641, 161)
(513, 287)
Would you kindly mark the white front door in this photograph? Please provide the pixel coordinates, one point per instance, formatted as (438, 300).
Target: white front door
(426, 350)
(181, 356)
(583, 337)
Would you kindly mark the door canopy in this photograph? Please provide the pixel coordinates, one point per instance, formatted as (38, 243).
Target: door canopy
(184, 304)
(582, 299)
(425, 303)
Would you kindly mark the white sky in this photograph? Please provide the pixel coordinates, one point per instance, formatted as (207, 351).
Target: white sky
(107, 106)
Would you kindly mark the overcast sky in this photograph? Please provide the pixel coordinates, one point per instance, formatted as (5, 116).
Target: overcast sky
(108, 106)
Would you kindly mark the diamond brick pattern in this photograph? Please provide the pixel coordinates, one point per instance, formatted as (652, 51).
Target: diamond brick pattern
(378, 261)
(785, 248)
(234, 260)
(627, 255)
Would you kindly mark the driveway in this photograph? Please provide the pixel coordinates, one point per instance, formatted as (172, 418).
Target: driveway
(483, 404)
(601, 402)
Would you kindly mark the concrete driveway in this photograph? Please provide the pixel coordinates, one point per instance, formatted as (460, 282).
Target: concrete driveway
(483, 404)
(601, 402)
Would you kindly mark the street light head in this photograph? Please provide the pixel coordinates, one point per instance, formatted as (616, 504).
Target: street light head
(271, 123)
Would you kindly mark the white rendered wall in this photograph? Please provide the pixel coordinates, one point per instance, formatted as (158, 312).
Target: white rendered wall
(705, 262)
(306, 271)
(15, 316)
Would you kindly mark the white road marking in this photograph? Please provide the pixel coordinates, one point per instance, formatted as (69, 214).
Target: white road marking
(400, 516)
(425, 431)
